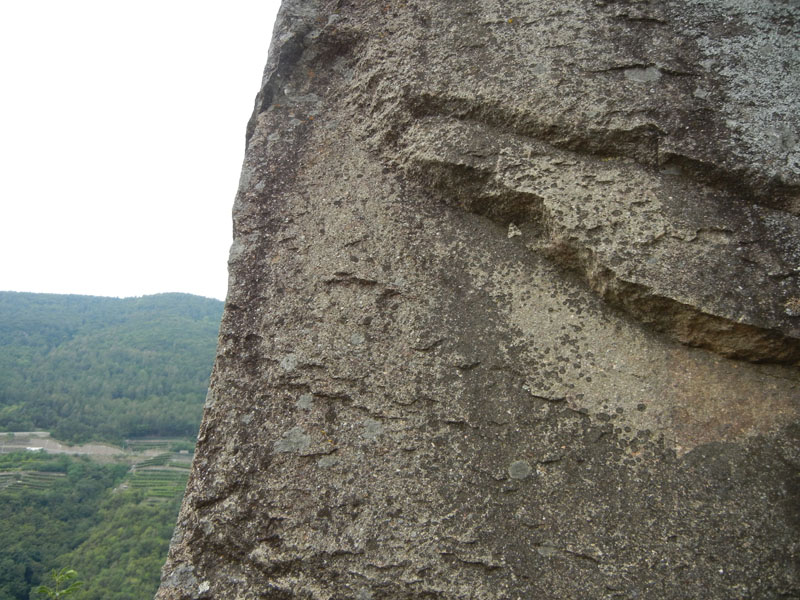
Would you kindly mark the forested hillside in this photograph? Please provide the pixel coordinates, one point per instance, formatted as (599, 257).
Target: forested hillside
(110, 523)
(93, 368)
(104, 369)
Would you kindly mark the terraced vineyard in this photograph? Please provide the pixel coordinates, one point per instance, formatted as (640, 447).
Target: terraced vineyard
(140, 445)
(161, 477)
(15, 480)
(165, 459)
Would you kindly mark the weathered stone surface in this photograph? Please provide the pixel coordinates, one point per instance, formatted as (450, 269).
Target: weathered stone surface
(514, 309)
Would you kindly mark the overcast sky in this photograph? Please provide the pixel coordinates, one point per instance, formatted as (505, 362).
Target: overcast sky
(122, 131)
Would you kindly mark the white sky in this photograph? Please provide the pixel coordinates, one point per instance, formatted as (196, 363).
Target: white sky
(122, 130)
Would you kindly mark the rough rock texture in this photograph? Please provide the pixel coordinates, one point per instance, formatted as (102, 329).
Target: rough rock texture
(514, 309)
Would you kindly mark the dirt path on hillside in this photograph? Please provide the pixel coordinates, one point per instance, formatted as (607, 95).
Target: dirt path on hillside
(41, 440)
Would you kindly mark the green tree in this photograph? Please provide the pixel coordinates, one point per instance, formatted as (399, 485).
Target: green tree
(63, 584)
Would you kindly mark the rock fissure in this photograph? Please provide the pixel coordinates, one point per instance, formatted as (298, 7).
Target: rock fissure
(482, 172)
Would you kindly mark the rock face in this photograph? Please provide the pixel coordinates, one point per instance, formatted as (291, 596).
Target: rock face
(514, 309)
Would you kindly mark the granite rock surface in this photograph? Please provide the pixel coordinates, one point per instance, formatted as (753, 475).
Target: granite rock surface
(514, 309)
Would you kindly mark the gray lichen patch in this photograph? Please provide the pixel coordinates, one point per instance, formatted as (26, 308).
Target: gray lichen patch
(372, 429)
(519, 469)
(305, 402)
(294, 440)
(643, 75)
(182, 576)
(547, 550)
(327, 461)
(289, 362)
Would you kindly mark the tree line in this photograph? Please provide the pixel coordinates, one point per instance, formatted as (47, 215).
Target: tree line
(106, 369)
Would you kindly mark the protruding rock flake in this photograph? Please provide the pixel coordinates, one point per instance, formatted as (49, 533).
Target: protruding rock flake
(514, 309)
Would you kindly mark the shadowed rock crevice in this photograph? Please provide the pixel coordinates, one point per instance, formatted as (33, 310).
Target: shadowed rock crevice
(701, 288)
(640, 139)
(685, 322)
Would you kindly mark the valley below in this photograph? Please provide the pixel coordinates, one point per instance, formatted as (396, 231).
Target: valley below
(100, 401)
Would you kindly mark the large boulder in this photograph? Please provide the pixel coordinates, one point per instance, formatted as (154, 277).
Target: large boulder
(514, 309)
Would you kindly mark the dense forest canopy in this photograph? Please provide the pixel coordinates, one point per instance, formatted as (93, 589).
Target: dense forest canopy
(93, 368)
(109, 523)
